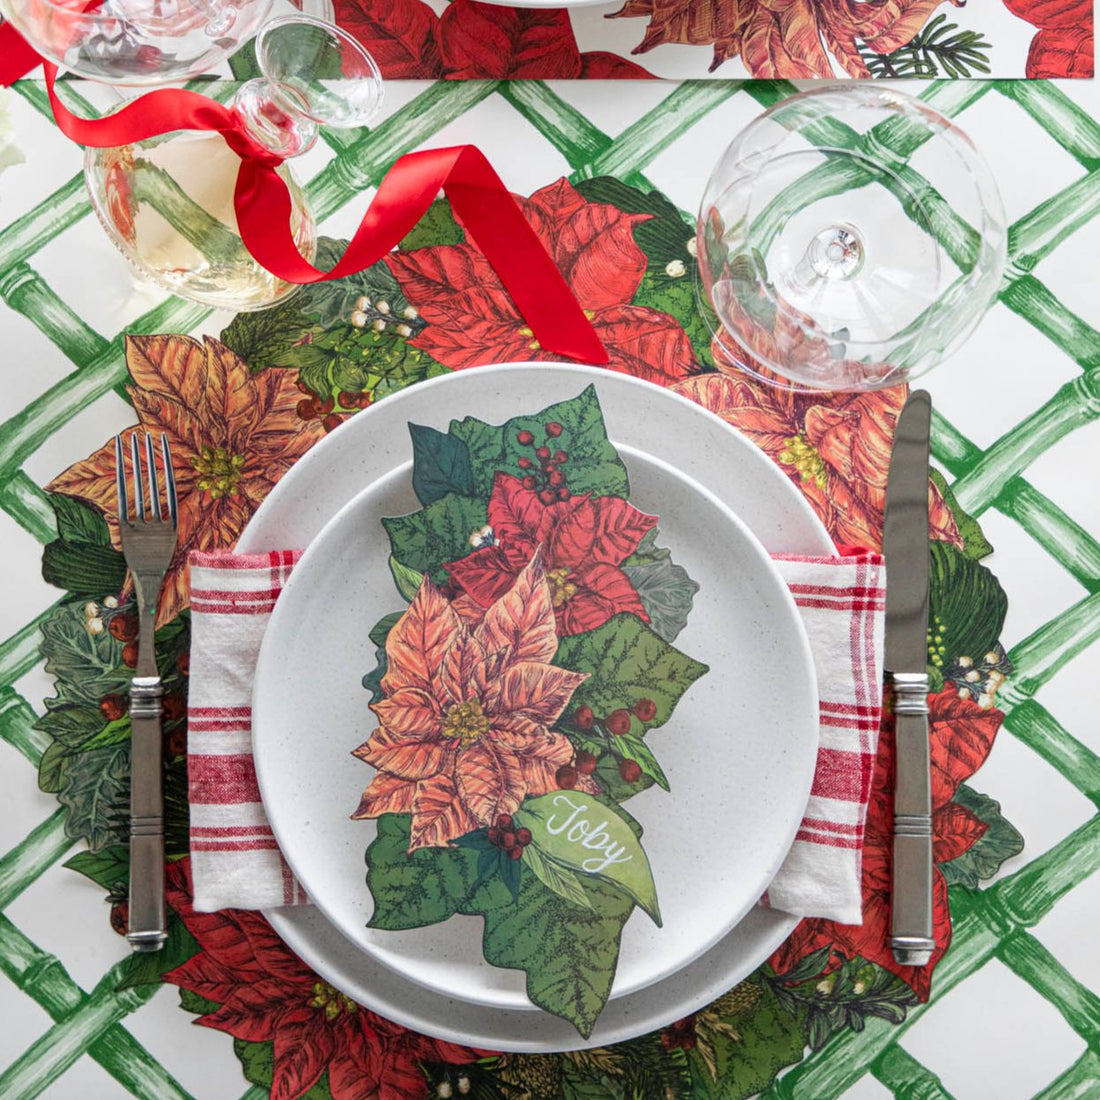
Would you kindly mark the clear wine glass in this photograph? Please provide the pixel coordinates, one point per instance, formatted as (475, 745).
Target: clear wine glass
(136, 42)
(849, 238)
(167, 203)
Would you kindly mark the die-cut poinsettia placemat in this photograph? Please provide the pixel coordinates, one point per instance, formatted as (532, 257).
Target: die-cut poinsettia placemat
(691, 39)
(514, 695)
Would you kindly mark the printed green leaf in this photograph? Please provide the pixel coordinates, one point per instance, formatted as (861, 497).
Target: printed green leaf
(424, 540)
(592, 465)
(436, 227)
(569, 954)
(381, 629)
(425, 887)
(666, 592)
(97, 795)
(634, 748)
(1000, 842)
(112, 734)
(589, 836)
(258, 1065)
(441, 465)
(146, 968)
(107, 868)
(332, 302)
(767, 1040)
(192, 1002)
(555, 876)
(627, 661)
(82, 568)
(967, 602)
(269, 337)
(80, 522)
(372, 681)
(408, 580)
(648, 551)
(975, 544)
(51, 768)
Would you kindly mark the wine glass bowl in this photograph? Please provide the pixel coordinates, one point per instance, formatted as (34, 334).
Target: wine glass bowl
(168, 202)
(849, 238)
(136, 42)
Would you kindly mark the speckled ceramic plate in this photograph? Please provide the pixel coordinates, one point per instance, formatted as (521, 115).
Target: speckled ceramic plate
(393, 976)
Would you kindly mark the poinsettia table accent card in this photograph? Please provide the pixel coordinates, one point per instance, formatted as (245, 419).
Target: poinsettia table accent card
(725, 39)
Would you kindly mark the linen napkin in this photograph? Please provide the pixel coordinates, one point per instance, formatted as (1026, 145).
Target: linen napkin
(236, 863)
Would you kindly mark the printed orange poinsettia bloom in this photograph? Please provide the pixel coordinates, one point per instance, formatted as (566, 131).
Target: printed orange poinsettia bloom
(232, 435)
(584, 540)
(834, 446)
(464, 732)
(785, 38)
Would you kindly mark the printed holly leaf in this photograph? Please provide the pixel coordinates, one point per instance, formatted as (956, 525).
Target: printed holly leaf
(411, 891)
(441, 465)
(666, 592)
(568, 953)
(967, 602)
(592, 466)
(96, 793)
(1000, 842)
(975, 544)
(627, 661)
(440, 532)
(107, 868)
(588, 836)
(767, 1040)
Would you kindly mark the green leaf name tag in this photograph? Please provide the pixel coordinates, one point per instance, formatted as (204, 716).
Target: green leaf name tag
(578, 832)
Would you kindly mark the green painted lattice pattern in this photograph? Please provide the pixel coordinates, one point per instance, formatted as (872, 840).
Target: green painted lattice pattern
(990, 924)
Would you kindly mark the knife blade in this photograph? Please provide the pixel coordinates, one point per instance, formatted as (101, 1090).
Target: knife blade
(905, 547)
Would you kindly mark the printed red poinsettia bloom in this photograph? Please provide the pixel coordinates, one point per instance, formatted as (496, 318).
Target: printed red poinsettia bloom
(232, 434)
(834, 446)
(584, 540)
(465, 725)
(1063, 45)
(471, 41)
(784, 38)
(472, 320)
(962, 735)
(265, 993)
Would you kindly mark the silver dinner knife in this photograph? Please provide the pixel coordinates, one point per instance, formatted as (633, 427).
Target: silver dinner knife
(905, 546)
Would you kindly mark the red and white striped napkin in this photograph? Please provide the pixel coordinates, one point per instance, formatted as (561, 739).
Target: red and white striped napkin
(236, 863)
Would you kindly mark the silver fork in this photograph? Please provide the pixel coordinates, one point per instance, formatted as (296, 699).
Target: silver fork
(148, 542)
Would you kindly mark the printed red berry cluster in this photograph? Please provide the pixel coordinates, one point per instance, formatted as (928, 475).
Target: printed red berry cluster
(312, 407)
(616, 724)
(544, 472)
(505, 836)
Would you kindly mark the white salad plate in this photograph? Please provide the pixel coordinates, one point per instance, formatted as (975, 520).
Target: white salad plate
(738, 765)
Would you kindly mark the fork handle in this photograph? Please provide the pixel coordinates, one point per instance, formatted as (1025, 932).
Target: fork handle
(147, 921)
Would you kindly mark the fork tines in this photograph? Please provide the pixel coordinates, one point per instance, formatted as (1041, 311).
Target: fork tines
(150, 478)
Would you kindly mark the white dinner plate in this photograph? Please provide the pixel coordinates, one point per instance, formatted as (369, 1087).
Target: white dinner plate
(739, 767)
(657, 423)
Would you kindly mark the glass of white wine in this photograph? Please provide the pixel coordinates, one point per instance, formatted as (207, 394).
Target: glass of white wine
(167, 202)
(849, 238)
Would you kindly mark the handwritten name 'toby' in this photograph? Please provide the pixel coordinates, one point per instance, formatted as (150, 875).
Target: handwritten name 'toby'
(582, 831)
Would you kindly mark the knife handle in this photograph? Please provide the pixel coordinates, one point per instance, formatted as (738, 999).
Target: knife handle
(911, 912)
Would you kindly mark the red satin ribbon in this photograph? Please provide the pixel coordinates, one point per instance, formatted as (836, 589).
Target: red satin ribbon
(262, 203)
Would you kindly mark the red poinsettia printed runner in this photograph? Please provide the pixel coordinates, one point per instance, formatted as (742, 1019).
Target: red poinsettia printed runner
(689, 39)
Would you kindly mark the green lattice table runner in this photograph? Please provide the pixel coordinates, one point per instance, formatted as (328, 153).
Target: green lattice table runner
(1013, 429)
